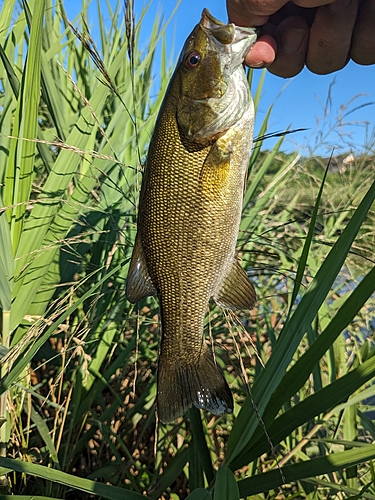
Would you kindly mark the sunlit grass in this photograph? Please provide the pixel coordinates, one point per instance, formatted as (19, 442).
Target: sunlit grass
(78, 368)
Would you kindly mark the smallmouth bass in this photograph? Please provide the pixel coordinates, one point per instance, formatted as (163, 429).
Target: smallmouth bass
(190, 209)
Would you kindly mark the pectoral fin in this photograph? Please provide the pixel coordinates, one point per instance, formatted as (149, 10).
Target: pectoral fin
(215, 169)
(138, 283)
(236, 292)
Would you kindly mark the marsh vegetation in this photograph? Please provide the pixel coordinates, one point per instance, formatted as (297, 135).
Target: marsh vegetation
(78, 362)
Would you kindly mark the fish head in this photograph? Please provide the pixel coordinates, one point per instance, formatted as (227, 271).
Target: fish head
(210, 82)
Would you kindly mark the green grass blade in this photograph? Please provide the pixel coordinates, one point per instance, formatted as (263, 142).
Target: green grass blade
(199, 494)
(306, 247)
(258, 92)
(44, 434)
(200, 443)
(196, 473)
(80, 484)
(12, 78)
(363, 494)
(20, 172)
(255, 181)
(170, 473)
(225, 485)
(303, 470)
(27, 497)
(367, 423)
(50, 91)
(351, 434)
(105, 343)
(6, 263)
(263, 128)
(6, 15)
(43, 150)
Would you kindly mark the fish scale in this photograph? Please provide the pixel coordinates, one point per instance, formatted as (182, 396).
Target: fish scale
(189, 212)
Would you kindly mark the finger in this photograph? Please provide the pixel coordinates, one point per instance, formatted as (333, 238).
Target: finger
(330, 36)
(291, 10)
(292, 38)
(263, 53)
(252, 12)
(363, 41)
(257, 12)
(308, 4)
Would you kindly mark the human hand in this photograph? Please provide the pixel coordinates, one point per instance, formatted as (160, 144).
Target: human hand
(321, 34)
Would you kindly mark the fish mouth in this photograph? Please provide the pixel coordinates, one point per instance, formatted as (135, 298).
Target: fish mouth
(226, 33)
(210, 21)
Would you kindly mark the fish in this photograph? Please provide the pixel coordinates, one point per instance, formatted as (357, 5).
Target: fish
(189, 213)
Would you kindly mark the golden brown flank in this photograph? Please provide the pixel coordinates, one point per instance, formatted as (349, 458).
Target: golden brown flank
(189, 213)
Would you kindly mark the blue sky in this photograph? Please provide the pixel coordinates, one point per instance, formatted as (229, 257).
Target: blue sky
(298, 102)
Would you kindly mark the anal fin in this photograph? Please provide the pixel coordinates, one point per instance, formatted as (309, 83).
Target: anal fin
(236, 291)
(138, 282)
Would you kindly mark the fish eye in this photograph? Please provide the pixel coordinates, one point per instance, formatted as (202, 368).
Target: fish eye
(192, 59)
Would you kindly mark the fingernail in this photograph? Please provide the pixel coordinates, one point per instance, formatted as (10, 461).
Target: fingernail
(292, 39)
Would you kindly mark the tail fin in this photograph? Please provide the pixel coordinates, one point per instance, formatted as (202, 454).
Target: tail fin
(184, 382)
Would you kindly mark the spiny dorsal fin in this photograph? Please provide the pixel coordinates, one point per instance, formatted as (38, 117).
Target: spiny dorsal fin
(138, 282)
(236, 291)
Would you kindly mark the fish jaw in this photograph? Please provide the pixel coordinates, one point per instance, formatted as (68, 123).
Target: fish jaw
(237, 40)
